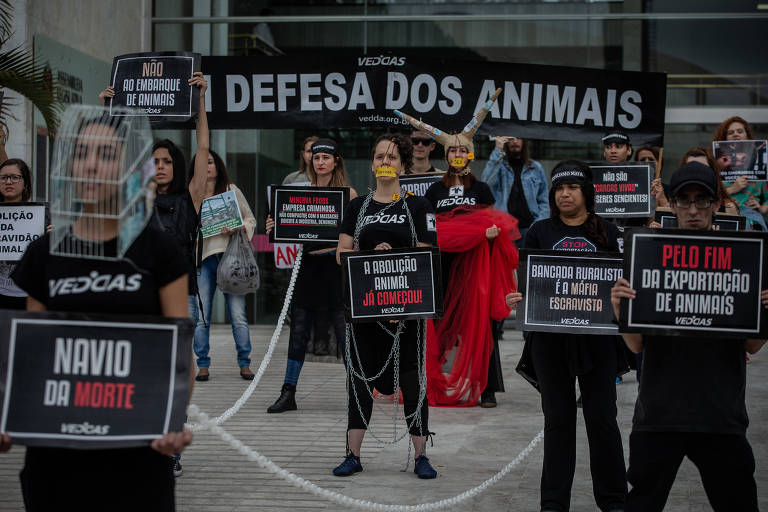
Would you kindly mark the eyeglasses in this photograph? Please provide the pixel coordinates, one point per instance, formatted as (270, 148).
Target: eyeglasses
(11, 178)
(418, 140)
(700, 203)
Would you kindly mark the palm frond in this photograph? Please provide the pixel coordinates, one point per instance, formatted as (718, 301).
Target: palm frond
(20, 72)
(6, 19)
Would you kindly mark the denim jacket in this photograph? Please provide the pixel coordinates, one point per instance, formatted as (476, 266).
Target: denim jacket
(500, 177)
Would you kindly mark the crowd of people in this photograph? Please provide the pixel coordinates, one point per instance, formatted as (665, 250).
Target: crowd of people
(478, 220)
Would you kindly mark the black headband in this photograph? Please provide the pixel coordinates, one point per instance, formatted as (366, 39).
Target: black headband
(325, 146)
(568, 175)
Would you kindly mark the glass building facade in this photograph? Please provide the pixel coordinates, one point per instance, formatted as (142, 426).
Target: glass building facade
(713, 52)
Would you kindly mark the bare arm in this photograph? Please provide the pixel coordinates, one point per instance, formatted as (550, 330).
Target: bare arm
(197, 185)
(346, 244)
(753, 345)
(622, 290)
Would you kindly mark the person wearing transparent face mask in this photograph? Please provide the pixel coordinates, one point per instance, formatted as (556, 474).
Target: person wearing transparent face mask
(149, 279)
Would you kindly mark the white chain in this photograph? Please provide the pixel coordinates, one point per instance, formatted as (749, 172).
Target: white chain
(267, 356)
(205, 422)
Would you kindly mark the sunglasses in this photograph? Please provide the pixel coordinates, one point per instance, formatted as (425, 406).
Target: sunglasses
(418, 140)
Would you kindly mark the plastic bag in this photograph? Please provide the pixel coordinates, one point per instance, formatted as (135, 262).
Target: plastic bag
(238, 272)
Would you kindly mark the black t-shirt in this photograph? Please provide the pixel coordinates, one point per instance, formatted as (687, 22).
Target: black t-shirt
(554, 234)
(444, 199)
(389, 222)
(130, 285)
(692, 385)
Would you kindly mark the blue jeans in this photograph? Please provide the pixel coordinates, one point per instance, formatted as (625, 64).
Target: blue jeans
(235, 305)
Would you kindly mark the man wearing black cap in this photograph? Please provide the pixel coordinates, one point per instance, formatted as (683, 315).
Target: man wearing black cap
(678, 413)
(616, 147)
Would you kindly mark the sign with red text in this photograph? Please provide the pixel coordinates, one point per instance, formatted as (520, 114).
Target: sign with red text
(397, 283)
(307, 214)
(623, 190)
(691, 282)
(92, 381)
(285, 254)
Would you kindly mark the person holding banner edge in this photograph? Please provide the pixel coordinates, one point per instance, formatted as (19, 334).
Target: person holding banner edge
(678, 415)
(317, 299)
(385, 219)
(555, 360)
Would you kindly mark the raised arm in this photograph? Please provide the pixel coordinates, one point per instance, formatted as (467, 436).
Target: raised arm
(197, 184)
(622, 290)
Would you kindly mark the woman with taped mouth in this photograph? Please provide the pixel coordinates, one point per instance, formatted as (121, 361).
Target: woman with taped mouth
(553, 361)
(317, 299)
(100, 259)
(387, 218)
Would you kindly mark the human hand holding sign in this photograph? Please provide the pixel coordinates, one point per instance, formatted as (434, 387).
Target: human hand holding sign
(383, 246)
(492, 232)
(5, 443)
(109, 92)
(173, 442)
(621, 290)
(512, 299)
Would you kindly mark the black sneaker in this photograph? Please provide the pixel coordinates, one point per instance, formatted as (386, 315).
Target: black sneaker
(350, 466)
(423, 468)
(286, 401)
(177, 471)
(488, 400)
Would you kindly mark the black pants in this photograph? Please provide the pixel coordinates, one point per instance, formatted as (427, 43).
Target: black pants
(495, 382)
(558, 401)
(374, 345)
(302, 322)
(725, 462)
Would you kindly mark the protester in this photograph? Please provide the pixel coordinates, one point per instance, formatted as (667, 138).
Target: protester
(518, 182)
(702, 156)
(616, 147)
(317, 296)
(647, 154)
(408, 222)
(477, 260)
(59, 478)
(305, 155)
(678, 415)
(423, 145)
(555, 360)
(751, 196)
(218, 182)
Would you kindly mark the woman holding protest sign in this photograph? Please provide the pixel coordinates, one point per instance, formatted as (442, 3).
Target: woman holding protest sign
(387, 218)
(146, 275)
(553, 361)
(478, 260)
(317, 297)
(217, 182)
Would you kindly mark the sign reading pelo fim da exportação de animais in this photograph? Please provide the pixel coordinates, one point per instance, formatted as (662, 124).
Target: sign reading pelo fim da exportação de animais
(694, 283)
(398, 283)
(80, 381)
(568, 292)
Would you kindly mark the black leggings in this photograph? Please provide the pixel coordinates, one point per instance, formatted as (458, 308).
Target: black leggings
(302, 321)
(374, 345)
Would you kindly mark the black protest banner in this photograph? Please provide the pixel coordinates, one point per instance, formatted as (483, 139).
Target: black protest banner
(694, 283)
(76, 380)
(568, 292)
(724, 221)
(742, 158)
(398, 283)
(155, 84)
(537, 102)
(307, 214)
(623, 190)
(417, 184)
(20, 224)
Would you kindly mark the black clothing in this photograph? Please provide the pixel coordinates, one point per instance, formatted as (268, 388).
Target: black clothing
(517, 205)
(554, 234)
(392, 225)
(176, 215)
(304, 320)
(725, 462)
(318, 284)
(53, 478)
(444, 199)
(8, 302)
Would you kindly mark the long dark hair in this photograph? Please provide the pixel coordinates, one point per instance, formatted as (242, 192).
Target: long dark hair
(525, 152)
(222, 177)
(302, 165)
(593, 226)
(178, 184)
(404, 148)
(26, 175)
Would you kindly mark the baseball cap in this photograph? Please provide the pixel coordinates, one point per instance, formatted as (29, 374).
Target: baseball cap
(616, 136)
(694, 173)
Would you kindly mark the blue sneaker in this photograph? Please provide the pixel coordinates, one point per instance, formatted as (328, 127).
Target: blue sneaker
(423, 468)
(350, 466)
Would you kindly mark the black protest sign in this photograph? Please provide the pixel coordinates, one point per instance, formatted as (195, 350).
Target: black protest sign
(724, 221)
(20, 224)
(398, 283)
(694, 283)
(307, 214)
(156, 85)
(537, 101)
(92, 381)
(568, 292)
(417, 184)
(738, 158)
(623, 190)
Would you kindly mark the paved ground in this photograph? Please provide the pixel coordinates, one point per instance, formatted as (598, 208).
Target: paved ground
(470, 446)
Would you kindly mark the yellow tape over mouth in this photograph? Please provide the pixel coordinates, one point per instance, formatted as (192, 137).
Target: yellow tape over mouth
(386, 171)
(459, 161)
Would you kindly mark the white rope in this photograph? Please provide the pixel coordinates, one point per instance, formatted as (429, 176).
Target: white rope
(205, 422)
(267, 356)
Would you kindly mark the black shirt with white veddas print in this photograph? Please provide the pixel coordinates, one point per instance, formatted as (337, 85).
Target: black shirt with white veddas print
(389, 222)
(445, 199)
